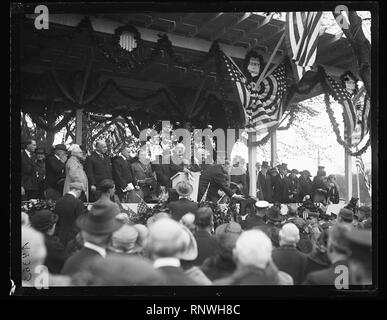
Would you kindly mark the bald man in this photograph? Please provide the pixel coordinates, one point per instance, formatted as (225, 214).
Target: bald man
(98, 167)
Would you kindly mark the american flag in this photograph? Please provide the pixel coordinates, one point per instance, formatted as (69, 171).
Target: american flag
(142, 208)
(301, 33)
(360, 165)
(204, 197)
(262, 105)
(341, 95)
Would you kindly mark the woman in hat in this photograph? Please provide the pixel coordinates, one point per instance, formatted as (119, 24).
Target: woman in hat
(75, 171)
(125, 241)
(305, 185)
(333, 192)
(276, 185)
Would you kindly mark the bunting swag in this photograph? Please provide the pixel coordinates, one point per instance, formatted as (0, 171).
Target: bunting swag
(362, 107)
(301, 34)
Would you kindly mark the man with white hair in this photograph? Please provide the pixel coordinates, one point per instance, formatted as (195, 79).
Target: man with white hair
(168, 242)
(286, 257)
(75, 171)
(98, 167)
(252, 254)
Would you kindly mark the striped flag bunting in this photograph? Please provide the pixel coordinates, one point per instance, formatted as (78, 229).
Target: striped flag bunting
(302, 33)
(360, 165)
(262, 105)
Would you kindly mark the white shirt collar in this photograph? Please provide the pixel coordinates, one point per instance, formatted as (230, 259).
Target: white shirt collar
(70, 192)
(121, 155)
(92, 246)
(166, 262)
(28, 153)
(56, 156)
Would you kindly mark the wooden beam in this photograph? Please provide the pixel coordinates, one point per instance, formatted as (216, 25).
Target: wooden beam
(280, 31)
(252, 160)
(205, 24)
(224, 30)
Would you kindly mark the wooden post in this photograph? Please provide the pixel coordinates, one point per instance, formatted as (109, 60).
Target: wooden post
(252, 154)
(358, 184)
(273, 149)
(78, 126)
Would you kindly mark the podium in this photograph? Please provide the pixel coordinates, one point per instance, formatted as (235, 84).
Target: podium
(193, 179)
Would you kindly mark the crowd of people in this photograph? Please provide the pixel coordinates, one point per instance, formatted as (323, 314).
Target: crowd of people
(184, 241)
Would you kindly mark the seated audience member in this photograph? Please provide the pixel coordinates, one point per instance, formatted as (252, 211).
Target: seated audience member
(97, 226)
(33, 270)
(252, 255)
(207, 245)
(338, 253)
(180, 207)
(286, 257)
(69, 208)
(273, 222)
(222, 264)
(365, 217)
(124, 241)
(119, 270)
(360, 260)
(318, 258)
(168, 242)
(305, 244)
(257, 219)
(45, 221)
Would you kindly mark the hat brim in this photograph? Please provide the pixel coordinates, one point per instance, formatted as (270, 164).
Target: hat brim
(85, 224)
(191, 252)
(280, 218)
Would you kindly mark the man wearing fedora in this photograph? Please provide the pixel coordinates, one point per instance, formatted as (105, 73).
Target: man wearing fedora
(184, 205)
(69, 208)
(265, 189)
(273, 224)
(305, 185)
(275, 185)
(122, 173)
(285, 183)
(286, 257)
(40, 165)
(97, 226)
(29, 181)
(258, 219)
(45, 221)
(55, 172)
(168, 243)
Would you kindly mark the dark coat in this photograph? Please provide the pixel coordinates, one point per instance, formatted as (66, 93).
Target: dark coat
(333, 195)
(291, 261)
(276, 187)
(317, 261)
(218, 267)
(164, 172)
(285, 189)
(79, 261)
(98, 168)
(29, 180)
(55, 173)
(56, 254)
(251, 222)
(207, 246)
(122, 173)
(265, 187)
(325, 276)
(68, 208)
(182, 206)
(293, 190)
(216, 176)
(176, 277)
(305, 187)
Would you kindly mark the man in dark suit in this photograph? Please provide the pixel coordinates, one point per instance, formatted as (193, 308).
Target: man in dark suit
(168, 243)
(122, 173)
(98, 167)
(338, 253)
(264, 183)
(257, 219)
(285, 183)
(287, 258)
(184, 205)
(97, 226)
(56, 172)
(69, 208)
(29, 180)
(45, 222)
(207, 245)
(214, 176)
(305, 185)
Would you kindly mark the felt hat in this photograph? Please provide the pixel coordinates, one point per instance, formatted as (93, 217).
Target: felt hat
(262, 204)
(346, 215)
(231, 227)
(60, 147)
(265, 164)
(184, 188)
(274, 214)
(306, 172)
(43, 220)
(100, 219)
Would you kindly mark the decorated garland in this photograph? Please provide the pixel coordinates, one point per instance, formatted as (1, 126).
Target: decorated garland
(335, 127)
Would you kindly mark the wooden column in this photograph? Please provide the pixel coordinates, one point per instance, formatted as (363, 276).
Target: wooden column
(252, 154)
(78, 126)
(273, 149)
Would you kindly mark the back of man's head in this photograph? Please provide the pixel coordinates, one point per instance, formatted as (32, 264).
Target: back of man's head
(204, 218)
(289, 234)
(253, 249)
